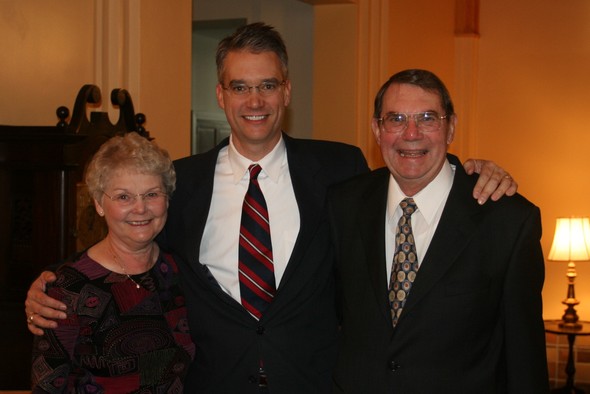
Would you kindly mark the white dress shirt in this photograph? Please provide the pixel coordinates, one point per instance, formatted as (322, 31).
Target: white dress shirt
(430, 202)
(219, 247)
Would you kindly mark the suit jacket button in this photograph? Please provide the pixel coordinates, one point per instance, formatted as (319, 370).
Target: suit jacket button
(260, 330)
(393, 366)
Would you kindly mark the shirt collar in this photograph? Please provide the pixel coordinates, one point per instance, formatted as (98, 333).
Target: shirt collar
(271, 163)
(428, 199)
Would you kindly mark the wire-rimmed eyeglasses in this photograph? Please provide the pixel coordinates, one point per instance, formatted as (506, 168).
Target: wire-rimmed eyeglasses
(126, 199)
(266, 88)
(397, 122)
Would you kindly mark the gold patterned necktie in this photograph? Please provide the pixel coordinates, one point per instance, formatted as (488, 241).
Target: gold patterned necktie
(405, 261)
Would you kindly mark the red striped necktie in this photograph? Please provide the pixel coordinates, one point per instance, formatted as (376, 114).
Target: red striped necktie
(255, 266)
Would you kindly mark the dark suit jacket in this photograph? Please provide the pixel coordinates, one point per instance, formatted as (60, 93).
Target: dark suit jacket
(473, 320)
(296, 337)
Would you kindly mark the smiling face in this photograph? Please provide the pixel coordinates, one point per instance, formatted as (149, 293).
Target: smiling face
(137, 224)
(413, 157)
(255, 120)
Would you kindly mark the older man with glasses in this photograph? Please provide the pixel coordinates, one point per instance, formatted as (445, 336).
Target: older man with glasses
(437, 293)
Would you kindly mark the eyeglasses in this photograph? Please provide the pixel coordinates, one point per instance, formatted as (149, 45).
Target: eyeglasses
(266, 88)
(398, 122)
(127, 199)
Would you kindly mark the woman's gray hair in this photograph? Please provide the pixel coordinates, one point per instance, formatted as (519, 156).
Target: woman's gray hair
(129, 152)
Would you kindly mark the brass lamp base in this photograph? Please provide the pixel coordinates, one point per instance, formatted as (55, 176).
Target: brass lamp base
(570, 317)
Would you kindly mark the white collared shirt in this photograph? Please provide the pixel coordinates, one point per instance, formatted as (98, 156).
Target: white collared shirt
(219, 247)
(430, 202)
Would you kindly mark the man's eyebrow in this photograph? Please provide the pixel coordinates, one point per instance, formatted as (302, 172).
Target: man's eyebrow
(243, 82)
(411, 113)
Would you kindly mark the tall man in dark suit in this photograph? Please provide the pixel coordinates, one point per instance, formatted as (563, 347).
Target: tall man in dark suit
(291, 347)
(470, 319)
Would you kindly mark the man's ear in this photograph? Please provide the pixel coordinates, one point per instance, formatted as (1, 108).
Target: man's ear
(219, 94)
(287, 93)
(376, 130)
(451, 129)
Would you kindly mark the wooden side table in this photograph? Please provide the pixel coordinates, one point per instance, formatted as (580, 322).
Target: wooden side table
(552, 326)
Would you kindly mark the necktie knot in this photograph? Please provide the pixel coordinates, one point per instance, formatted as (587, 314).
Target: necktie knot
(408, 206)
(254, 170)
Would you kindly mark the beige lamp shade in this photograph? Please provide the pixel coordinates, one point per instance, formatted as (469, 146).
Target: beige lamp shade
(572, 240)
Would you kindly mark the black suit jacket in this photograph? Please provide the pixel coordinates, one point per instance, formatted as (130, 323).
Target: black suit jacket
(473, 320)
(296, 337)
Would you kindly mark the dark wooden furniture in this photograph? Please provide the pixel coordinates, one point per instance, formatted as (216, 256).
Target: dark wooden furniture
(553, 326)
(44, 210)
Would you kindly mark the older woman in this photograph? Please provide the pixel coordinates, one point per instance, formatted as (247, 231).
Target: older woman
(126, 329)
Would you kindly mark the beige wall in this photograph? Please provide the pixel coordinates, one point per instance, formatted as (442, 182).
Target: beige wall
(534, 99)
(335, 106)
(166, 72)
(48, 50)
(46, 55)
(421, 36)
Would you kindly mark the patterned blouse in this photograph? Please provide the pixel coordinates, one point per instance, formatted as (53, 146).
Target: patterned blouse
(118, 338)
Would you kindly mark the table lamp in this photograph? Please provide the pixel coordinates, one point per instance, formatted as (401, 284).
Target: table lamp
(571, 243)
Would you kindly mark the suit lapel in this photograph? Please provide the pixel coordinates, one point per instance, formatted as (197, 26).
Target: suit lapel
(371, 227)
(310, 196)
(196, 210)
(454, 232)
